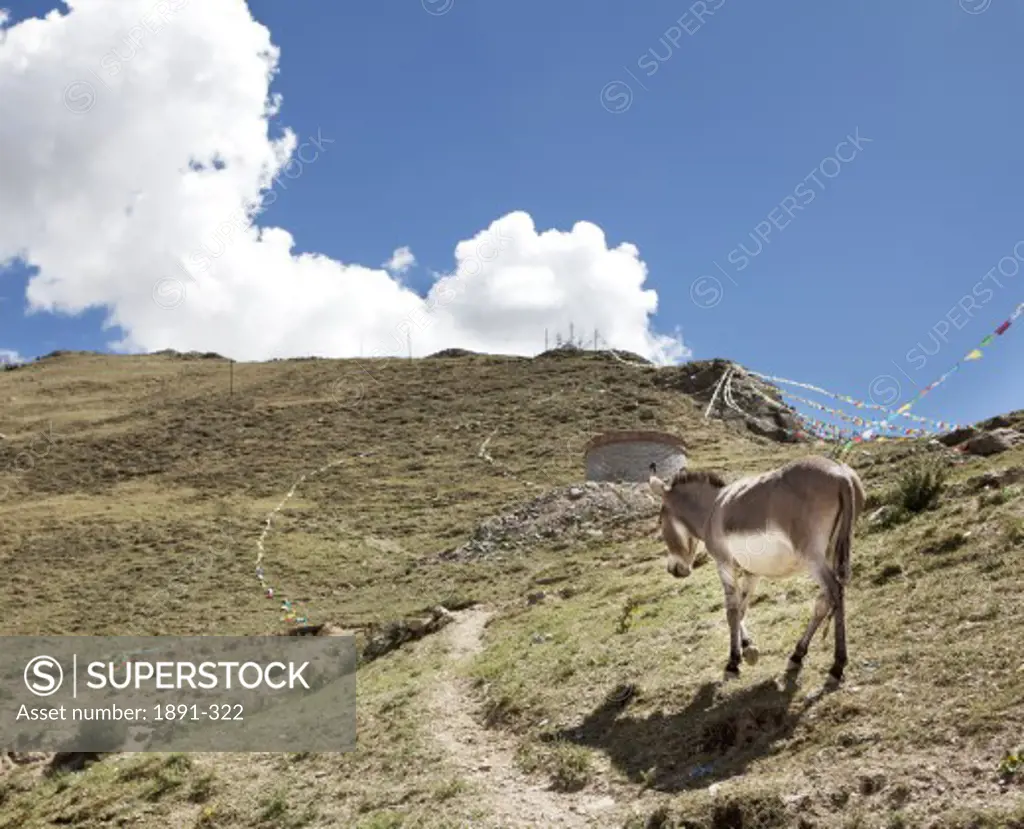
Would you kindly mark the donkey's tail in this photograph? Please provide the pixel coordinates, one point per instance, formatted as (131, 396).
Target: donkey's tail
(851, 501)
(844, 539)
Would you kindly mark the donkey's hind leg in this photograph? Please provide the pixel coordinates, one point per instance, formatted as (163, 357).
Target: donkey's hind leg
(835, 674)
(818, 614)
(829, 600)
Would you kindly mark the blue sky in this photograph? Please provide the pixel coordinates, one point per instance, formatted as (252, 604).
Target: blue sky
(445, 122)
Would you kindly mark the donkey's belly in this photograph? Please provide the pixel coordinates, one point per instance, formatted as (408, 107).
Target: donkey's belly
(766, 554)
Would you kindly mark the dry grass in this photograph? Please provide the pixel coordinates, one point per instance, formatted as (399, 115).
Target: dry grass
(139, 509)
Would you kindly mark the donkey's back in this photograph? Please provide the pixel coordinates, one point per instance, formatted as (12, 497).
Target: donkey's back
(798, 499)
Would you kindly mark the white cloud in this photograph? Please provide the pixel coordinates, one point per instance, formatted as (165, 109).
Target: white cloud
(401, 260)
(9, 357)
(136, 153)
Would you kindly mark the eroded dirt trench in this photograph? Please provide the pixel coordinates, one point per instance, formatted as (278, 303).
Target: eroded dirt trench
(486, 757)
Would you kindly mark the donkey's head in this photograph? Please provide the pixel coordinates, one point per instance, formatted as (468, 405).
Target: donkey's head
(685, 506)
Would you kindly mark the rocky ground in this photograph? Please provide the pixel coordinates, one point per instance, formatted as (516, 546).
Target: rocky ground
(565, 516)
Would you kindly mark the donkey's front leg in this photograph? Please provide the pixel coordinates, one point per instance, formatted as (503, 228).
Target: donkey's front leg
(734, 616)
(750, 651)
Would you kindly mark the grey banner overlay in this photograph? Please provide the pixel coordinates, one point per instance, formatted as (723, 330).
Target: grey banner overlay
(160, 710)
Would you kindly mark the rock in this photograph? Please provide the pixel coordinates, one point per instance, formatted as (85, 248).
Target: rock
(751, 395)
(569, 514)
(536, 598)
(997, 422)
(872, 783)
(22, 758)
(620, 695)
(957, 436)
(995, 480)
(386, 638)
(322, 629)
(881, 515)
(1013, 475)
(993, 442)
(64, 761)
(417, 627)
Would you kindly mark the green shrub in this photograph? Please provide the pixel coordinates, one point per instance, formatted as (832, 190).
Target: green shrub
(920, 486)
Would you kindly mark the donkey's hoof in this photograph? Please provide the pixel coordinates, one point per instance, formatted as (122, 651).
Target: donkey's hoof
(731, 672)
(832, 682)
(751, 654)
(793, 667)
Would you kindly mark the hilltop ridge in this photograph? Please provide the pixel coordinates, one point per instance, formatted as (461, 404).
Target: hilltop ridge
(577, 675)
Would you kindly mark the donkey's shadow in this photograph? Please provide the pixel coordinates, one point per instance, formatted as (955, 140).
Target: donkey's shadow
(717, 735)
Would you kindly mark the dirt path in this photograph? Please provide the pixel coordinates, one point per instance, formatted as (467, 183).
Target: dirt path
(486, 757)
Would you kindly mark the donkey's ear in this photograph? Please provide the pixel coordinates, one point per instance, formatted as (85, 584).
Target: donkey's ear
(657, 486)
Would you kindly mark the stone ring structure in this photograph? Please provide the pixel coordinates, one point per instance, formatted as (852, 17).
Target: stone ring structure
(626, 456)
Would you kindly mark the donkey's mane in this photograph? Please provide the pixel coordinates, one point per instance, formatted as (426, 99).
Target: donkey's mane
(687, 476)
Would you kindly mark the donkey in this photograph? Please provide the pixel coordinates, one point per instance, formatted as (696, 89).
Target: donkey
(797, 517)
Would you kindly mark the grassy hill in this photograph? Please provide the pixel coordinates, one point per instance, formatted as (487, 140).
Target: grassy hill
(579, 684)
